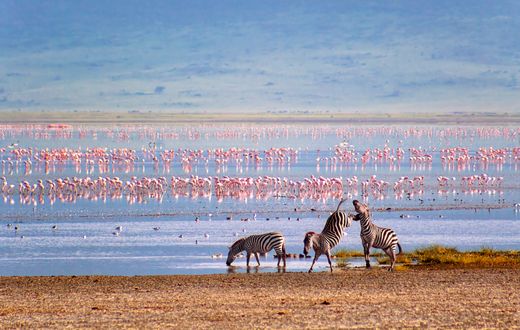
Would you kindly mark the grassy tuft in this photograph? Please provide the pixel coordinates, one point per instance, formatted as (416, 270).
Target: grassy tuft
(401, 259)
(399, 268)
(341, 263)
(344, 253)
(442, 255)
(485, 257)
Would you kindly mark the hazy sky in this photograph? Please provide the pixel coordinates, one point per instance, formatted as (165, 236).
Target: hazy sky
(260, 56)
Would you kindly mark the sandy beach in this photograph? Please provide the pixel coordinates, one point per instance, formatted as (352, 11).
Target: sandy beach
(354, 298)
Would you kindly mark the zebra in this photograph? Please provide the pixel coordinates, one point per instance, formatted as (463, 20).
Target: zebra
(374, 236)
(255, 244)
(330, 236)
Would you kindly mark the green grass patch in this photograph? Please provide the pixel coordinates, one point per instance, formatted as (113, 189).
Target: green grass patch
(344, 253)
(442, 255)
(484, 257)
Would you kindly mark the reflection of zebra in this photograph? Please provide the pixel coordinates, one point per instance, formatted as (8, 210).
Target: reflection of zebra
(255, 244)
(330, 236)
(374, 236)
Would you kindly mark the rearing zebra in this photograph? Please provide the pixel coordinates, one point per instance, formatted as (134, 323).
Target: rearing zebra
(374, 236)
(330, 236)
(255, 244)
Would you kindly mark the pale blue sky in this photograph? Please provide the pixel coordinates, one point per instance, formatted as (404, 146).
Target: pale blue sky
(260, 56)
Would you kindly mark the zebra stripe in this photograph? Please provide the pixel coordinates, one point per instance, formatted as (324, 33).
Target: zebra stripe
(336, 222)
(330, 236)
(256, 244)
(374, 236)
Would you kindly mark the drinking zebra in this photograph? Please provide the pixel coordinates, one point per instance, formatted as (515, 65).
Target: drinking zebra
(330, 236)
(255, 244)
(374, 236)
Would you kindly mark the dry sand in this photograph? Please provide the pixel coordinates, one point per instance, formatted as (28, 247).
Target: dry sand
(420, 297)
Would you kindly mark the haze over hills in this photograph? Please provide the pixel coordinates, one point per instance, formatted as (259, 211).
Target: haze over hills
(236, 56)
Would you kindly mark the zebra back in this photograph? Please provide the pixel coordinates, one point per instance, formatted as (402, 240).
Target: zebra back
(336, 222)
(264, 242)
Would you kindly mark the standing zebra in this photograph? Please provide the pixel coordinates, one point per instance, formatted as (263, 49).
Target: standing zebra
(255, 244)
(374, 236)
(330, 236)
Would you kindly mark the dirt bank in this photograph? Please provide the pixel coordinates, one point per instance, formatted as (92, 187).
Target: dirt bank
(452, 298)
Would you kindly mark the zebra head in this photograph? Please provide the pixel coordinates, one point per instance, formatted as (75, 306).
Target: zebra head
(234, 250)
(307, 242)
(360, 207)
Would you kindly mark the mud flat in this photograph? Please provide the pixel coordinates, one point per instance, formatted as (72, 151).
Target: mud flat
(418, 297)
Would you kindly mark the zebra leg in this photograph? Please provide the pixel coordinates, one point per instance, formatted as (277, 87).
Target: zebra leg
(284, 255)
(256, 256)
(391, 254)
(316, 256)
(248, 257)
(328, 258)
(281, 254)
(366, 248)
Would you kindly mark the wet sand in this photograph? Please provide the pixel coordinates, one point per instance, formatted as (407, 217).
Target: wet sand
(419, 297)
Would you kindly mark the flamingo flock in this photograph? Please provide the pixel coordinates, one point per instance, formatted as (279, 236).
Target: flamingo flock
(100, 173)
(125, 160)
(483, 180)
(139, 190)
(249, 132)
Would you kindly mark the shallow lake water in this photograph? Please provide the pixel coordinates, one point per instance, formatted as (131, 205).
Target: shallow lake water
(46, 234)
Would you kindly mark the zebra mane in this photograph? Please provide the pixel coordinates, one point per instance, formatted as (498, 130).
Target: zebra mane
(237, 242)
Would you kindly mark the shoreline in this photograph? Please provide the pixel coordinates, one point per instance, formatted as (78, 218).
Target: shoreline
(418, 297)
(165, 118)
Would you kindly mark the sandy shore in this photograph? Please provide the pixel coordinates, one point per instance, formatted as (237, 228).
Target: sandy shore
(449, 298)
(311, 118)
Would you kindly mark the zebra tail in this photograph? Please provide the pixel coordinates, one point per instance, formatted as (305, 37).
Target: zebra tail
(400, 249)
(340, 202)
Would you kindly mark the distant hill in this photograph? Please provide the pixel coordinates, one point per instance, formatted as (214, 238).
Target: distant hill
(255, 56)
